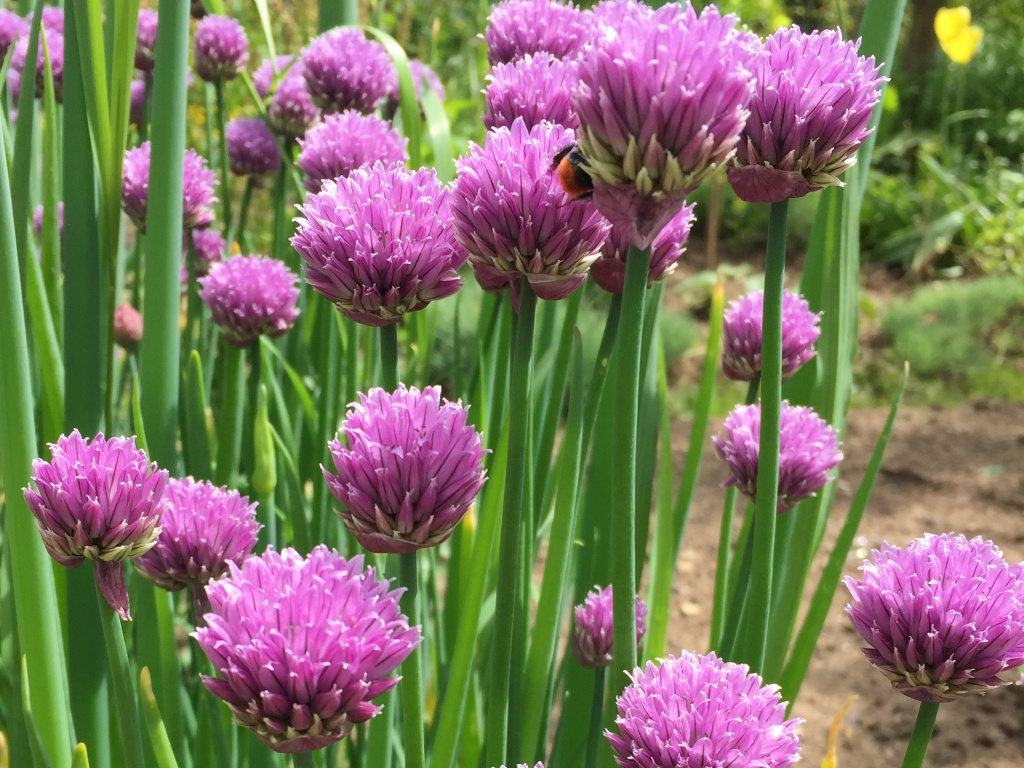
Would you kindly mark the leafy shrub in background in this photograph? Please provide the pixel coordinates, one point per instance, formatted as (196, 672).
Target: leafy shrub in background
(970, 335)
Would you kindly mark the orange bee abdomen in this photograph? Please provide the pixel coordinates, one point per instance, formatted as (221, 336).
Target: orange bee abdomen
(576, 182)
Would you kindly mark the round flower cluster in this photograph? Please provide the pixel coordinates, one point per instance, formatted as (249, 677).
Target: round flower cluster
(249, 297)
(344, 142)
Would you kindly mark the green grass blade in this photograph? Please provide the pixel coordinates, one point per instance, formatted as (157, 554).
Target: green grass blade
(31, 568)
(40, 759)
(48, 351)
(197, 459)
(440, 132)
(806, 640)
(268, 33)
(83, 324)
(50, 256)
(336, 13)
(160, 349)
(412, 127)
(155, 724)
(540, 662)
(24, 142)
(663, 559)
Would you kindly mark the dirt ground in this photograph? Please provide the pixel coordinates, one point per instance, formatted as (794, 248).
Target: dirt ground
(956, 470)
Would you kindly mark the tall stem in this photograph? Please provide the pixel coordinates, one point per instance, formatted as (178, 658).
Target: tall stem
(917, 747)
(122, 683)
(411, 687)
(623, 484)
(594, 736)
(225, 179)
(229, 439)
(752, 644)
(304, 760)
(389, 357)
(511, 525)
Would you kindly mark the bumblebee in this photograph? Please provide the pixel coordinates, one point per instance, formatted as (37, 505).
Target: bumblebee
(568, 166)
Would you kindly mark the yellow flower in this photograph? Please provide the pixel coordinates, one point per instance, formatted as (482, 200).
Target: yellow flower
(959, 40)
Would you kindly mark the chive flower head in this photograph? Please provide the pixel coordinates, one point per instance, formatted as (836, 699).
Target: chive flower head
(249, 297)
(594, 630)
(145, 40)
(609, 270)
(197, 188)
(346, 141)
(252, 150)
(517, 28)
(535, 87)
(345, 70)
(741, 335)
(221, 48)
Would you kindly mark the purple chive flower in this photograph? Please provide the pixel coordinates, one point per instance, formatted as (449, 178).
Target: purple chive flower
(222, 49)
(535, 87)
(668, 246)
(411, 469)
(303, 646)
(127, 326)
(203, 529)
(380, 243)
(145, 40)
(290, 110)
(344, 70)
(55, 45)
(208, 248)
(512, 215)
(11, 27)
(741, 335)
(197, 188)
(101, 500)
(943, 618)
(809, 450)
(593, 632)
(249, 297)
(37, 220)
(252, 150)
(346, 141)
(661, 104)
(809, 115)
(611, 13)
(517, 28)
(526, 765)
(702, 711)
(53, 19)
(137, 108)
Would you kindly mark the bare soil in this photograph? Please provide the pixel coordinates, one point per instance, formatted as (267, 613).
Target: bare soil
(958, 470)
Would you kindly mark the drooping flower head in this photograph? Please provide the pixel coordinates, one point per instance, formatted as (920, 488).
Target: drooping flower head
(594, 629)
(290, 110)
(379, 243)
(249, 297)
(127, 326)
(410, 471)
(208, 248)
(661, 104)
(346, 141)
(204, 528)
(55, 46)
(344, 70)
(197, 188)
(98, 499)
(222, 48)
(517, 28)
(808, 118)
(808, 451)
(303, 646)
(700, 711)
(37, 220)
(11, 27)
(943, 618)
(252, 150)
(535, 87)
(514, 219)
(741, 335)
(668, 247)
(145, 40)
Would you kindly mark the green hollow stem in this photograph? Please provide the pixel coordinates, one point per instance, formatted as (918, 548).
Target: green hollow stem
(754, 634)
(229, 438)
(243, 216)
(600, 373)
(411, 687)
(594, 736)
(722, 564)
(159, 351)
(496, 727)
(389, 357)
(921, 736)
(624, 445)
(122, 685)
(304, 760)
(225, 178)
